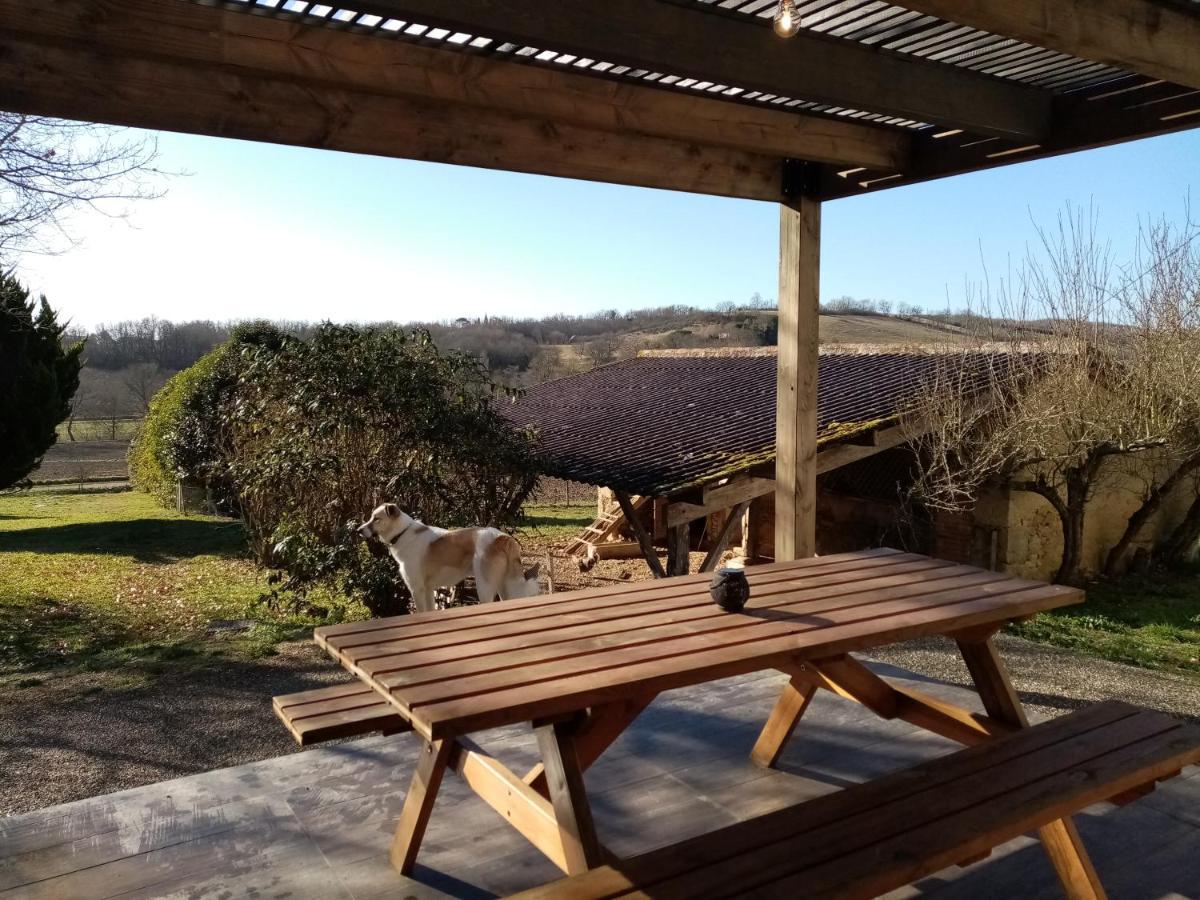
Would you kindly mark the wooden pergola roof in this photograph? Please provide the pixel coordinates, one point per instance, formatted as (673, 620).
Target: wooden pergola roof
(695, 95)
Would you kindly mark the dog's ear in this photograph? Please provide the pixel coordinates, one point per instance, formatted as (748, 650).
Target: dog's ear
(532, 572)
(392, 510)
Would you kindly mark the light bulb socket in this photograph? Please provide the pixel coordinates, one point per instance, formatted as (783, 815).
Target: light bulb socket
(787, 19)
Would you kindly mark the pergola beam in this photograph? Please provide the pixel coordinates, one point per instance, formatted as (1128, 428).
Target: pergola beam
(75, 80)
(1145, 36)
(190, 33)
(668, 38)
(1103, 118)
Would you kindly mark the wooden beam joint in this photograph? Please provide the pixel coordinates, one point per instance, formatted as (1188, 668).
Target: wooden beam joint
(799, 178)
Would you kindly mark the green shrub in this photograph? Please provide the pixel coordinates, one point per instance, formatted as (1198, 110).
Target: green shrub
(153, 467)
(39, 376)
(182, 434)
(326, 429)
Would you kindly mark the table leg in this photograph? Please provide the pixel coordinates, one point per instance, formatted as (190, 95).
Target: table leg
(990, 676)
(564, 780)
(418, 804)
(1061, 839)
(560, 827)
(603, 725)
(792, 702)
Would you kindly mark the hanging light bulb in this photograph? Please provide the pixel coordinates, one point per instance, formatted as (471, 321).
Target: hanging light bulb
(787, 19)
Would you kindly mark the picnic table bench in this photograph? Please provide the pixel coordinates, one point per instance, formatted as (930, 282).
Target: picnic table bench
(579, 667)
(872, 838)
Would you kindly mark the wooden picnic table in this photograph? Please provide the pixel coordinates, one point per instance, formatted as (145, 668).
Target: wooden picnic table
(580, 667)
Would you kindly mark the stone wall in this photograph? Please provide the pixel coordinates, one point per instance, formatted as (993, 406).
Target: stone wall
(1033, 536)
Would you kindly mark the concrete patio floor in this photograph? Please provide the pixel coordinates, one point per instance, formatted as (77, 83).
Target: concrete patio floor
(317, 824)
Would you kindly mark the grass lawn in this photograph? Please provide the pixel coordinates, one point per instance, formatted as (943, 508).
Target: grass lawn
(1151, 621)
(102, 581)
(555, 523)
(96, 581)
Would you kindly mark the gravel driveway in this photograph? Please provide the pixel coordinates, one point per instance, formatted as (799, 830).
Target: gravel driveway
(1052, 680)
(87, 735)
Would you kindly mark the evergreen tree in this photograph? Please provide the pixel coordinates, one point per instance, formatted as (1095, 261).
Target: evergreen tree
(38, 378)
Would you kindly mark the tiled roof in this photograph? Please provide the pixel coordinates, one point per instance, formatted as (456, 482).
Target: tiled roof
(658, 424)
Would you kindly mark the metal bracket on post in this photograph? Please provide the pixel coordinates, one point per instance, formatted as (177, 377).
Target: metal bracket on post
(799, 178)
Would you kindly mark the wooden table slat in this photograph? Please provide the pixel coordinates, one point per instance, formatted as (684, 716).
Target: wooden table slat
(318, 695)
(487, 623)
(396, 672)
(382, 658)
(453, 618)
(457, 671)
(679, 638)
(564, 695)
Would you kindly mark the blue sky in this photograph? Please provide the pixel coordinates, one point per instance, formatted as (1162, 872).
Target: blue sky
(256, 230)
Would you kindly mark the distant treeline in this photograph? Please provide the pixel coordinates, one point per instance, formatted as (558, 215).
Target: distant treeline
(524, 350)
(505, 344)
(170, 346)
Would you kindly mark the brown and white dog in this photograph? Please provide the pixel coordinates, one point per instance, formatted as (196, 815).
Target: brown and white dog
(430, 558)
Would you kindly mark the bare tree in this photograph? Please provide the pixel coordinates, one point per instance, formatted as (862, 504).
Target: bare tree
(1099, 381)
(80, 399)
(112, 413)
(603, 349)
(144, 381)
(49, 167)
(1161, 298)
(1181, 544)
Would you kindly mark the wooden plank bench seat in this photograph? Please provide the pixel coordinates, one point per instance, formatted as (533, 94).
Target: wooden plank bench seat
(875, 837)
(344, 710)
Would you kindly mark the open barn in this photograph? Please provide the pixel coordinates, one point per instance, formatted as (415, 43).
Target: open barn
(681, 445)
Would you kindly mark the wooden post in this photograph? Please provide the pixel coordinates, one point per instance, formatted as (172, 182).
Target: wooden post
(733, 520)
(643, 539)
(679, 539)
(796, 399)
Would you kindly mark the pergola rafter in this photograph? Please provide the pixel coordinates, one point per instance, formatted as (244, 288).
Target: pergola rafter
(739, 52)
(1141, 35)
(689, 95)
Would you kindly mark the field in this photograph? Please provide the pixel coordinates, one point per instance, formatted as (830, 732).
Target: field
(834, 329)
(121, 428)
(82, 461)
